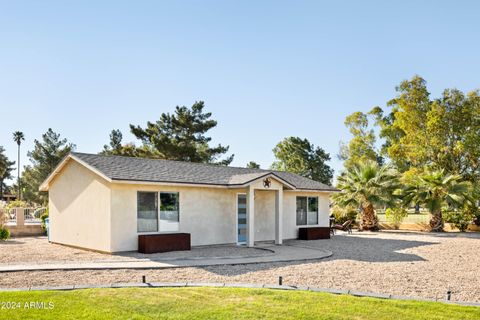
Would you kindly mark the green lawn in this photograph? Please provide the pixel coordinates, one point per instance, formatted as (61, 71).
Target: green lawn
(221, 303)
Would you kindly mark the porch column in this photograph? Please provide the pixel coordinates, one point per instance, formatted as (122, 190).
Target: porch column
(279, 216)
(250, 216)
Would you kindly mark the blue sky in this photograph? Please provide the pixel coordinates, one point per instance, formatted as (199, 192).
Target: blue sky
(266, 69)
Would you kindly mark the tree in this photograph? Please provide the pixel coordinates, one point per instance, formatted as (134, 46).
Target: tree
(18, 137)
(436, 189)
(181, 136)
(366, 185)
(453, 128)
(440, 133)
(362, 145)
(45, 156)
(299, 156)
(253, 165)
(407, 140)
(6, 167)
(116, 147)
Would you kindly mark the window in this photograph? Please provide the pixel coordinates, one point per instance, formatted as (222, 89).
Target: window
(312, 214)
(147, 212)
(241, 218)
(169, 211)
(153, 218)
(307, 211)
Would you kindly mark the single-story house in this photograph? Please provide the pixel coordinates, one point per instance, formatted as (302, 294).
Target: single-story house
(104, 203)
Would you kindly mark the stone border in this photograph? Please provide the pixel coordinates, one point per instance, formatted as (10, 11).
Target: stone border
(238, 285)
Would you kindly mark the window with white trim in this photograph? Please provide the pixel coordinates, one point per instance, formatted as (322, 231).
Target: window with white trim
(158, 211)
(307, 211)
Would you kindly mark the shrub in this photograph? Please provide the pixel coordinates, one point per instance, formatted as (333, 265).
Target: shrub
(17, 204)
(4, 233)
(473, 211)
(460, 219)
(342, 214)
(43, 217)
(396, 216)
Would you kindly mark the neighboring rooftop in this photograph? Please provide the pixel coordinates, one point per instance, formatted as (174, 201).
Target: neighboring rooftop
(168, 171)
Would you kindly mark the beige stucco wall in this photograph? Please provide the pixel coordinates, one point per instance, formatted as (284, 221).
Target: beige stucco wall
(79, 209)
(290, 228)
(209, 214)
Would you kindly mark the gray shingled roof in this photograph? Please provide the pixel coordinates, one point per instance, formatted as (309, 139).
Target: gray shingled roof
(154, 170)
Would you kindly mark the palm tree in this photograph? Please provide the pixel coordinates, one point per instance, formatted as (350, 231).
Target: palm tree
(18, 137)
(364, 186)
(434, 190)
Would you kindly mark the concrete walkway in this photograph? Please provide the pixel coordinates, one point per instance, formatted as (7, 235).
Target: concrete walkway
(283, 253)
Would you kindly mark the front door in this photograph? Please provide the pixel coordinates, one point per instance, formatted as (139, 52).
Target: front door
(241, 219)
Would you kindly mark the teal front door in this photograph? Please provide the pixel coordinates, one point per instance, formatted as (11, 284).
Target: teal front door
(241, 219)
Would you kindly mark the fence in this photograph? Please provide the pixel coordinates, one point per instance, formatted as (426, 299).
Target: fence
(24, 221)
(21, 216)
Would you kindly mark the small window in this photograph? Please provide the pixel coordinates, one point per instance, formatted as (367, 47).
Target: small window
(169, 211)
(307, 211)
(147, 212)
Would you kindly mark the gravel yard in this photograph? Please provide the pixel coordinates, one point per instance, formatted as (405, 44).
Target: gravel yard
(401, 263)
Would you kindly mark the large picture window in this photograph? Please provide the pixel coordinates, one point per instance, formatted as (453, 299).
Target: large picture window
(147, 212)
(157, 211)
(307, 211)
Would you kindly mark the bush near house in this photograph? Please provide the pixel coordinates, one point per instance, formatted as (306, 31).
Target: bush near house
(43, 217)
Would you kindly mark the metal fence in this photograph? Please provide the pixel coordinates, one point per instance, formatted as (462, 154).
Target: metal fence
(11, 215)
(30, 215)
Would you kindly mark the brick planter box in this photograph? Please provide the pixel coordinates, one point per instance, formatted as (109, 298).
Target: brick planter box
(314, 233)
(153, 243)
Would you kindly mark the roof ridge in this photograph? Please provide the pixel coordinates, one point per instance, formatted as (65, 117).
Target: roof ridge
(176, 161)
